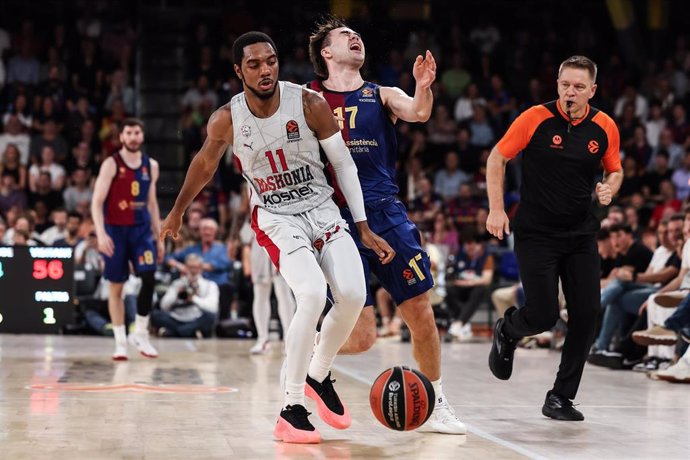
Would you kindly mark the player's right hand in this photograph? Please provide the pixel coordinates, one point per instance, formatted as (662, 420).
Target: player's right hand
(171, 226)
(106, 245)
(498, 223)
(377, 244)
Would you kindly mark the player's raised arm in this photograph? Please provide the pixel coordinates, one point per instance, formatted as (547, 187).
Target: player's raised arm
(201, 170)
(417, 108)
(321, 120)
(100, 192)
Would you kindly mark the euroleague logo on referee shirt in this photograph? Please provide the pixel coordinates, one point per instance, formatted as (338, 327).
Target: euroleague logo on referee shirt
(593, 146)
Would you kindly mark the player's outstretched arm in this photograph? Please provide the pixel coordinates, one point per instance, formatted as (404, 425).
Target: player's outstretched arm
(321, 120)
(100, 192)
(417, 108)
(201, 170)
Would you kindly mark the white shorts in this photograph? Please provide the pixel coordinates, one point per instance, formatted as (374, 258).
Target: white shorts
(281, 234)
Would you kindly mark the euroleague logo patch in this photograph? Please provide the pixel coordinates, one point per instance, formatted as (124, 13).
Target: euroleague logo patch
(409, 276)
(292, 129)
(593, 147)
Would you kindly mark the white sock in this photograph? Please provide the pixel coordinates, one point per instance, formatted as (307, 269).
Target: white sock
(141, 325)
(294, 394)
(319, 367)
(438, 391)
(120, 334)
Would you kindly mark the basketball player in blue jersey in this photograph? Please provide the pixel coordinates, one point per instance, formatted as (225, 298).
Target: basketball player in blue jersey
(126, 216)
(367, 114)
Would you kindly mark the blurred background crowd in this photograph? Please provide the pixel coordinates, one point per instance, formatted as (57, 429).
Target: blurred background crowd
(70, 73)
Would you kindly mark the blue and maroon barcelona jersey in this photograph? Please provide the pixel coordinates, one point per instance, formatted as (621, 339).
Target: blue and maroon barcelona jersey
(127, 199)
(369, 133)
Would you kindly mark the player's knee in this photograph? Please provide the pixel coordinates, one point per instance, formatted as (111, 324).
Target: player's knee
(362, 339)
(311, 293)
(423, 324)
(352, 296)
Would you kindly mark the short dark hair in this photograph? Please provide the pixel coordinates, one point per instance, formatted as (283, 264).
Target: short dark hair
(625, 228)
(603, 234)
(247, 39)
(677, 216)
(662, 153)
(470, 235)
(580, 62)
(75, 214)
(131, 121)
(319, 39)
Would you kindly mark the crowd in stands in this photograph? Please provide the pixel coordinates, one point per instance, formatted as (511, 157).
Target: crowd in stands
(65, 89)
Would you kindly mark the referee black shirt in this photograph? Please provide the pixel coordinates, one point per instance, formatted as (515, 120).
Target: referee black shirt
(560, 166)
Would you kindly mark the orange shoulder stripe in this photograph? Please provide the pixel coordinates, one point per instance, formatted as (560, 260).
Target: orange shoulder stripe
(521, 130)
(611, 158)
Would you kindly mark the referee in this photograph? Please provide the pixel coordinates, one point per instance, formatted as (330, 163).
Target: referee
(564, 143)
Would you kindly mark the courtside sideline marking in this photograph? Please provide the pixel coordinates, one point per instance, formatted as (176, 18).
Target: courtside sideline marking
(472, 429)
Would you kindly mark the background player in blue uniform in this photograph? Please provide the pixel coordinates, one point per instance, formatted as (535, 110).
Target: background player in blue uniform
(126, 216)
(367, 113)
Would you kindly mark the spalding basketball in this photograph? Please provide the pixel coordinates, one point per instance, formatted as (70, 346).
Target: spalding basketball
(402, 398)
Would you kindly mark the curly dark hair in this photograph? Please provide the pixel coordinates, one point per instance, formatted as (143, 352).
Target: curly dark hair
(247, 39)
(319, 39)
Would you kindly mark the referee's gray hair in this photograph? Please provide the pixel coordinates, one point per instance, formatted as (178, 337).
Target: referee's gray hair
(580, 62)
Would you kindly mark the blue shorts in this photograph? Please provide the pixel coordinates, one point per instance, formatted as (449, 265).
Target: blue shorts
(133, 243)
(409, 273)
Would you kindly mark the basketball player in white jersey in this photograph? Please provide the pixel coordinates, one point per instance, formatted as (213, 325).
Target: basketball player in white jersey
(276, 129)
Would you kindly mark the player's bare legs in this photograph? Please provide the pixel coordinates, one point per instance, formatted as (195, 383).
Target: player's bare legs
(363, 335)
(116, 308)
(426, 346)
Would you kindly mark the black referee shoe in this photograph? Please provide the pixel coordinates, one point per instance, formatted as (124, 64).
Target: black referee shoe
(560, 408)
(502, 350)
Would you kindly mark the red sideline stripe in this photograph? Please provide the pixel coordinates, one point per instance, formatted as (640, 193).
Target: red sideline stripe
(264, 241)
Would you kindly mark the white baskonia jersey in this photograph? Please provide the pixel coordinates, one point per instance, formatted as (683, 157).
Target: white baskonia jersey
(279, 155)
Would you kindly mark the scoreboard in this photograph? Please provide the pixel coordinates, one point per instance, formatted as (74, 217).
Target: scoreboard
(36, 285)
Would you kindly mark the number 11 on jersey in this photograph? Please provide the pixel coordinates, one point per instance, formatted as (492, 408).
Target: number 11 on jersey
(272, 161)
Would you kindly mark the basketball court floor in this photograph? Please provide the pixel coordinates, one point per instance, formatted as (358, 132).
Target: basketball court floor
(62, 398)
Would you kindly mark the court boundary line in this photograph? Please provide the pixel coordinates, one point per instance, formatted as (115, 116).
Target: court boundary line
(471, 428)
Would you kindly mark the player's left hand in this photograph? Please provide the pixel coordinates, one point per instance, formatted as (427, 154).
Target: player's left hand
(377, 244)
(424, 70)
(604, 194)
